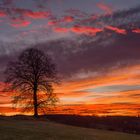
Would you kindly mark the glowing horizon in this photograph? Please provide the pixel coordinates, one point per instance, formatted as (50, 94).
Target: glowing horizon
(109, 94)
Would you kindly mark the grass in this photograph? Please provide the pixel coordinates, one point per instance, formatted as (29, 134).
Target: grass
(45, 130)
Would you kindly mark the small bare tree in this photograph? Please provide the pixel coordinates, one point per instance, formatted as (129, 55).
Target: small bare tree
(31, 78)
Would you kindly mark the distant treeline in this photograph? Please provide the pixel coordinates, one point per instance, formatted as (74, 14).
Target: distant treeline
(114, 123)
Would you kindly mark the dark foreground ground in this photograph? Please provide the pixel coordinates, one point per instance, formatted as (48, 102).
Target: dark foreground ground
(27, 128)
(114, 123)
(11, 129)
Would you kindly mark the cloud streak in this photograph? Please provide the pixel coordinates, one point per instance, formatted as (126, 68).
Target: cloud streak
(17, 23)
(36, 15)
(117, 30)
(105, 7)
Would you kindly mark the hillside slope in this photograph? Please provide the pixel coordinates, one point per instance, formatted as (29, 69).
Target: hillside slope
(45, 130)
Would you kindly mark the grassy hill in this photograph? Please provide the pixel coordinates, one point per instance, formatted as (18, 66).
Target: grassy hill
(18, 129)
(127, 124)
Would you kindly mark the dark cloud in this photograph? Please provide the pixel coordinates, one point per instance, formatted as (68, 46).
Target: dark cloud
(72, 57)
(100, 53)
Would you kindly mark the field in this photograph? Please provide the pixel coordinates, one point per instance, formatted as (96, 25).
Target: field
(12, 129)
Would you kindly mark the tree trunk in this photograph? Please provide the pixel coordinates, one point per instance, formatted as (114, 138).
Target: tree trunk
(35, 103)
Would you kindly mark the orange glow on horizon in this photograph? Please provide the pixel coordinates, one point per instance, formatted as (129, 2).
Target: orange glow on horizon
(81, 96)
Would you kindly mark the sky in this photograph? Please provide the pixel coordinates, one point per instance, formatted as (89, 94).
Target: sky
(94, 43)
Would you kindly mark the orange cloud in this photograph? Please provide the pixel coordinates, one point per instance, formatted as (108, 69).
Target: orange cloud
(117, 30)
(99, 109)
(78, 88)
(85, 109)
(123, 97)
(106, 8)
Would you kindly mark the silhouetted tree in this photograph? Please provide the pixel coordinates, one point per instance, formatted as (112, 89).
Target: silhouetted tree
(31, 78)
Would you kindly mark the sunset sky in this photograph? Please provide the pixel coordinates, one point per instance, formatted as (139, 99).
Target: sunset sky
(94, 43)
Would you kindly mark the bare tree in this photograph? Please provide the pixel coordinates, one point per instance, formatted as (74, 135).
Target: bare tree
(31, 78)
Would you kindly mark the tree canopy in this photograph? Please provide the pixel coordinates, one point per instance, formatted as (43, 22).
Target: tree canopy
(31, 78)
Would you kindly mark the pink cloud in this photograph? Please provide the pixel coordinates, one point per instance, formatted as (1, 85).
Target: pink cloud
(106, 8)
(85, 30)
(52, 22)
(2, 14)
(65, 19)
(79, 30)
(116, 29)
(68, 19)
(136, 31)
(20, 23)
(36, 15)
(61, 29)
